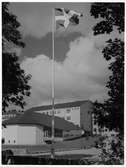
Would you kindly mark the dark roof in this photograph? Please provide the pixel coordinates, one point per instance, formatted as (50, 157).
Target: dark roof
(59, 105)
(42, 120)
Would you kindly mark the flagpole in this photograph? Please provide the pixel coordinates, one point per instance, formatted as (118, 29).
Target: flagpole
(53, 85)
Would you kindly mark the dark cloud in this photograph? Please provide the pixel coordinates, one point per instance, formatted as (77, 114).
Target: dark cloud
(37, 46)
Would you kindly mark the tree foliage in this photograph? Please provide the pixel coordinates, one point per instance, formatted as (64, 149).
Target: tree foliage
(14, 81)
(111, 112)
(112, 14)
(111, 151)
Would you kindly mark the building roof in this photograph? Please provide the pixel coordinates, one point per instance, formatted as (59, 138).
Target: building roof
(59, 105)
(42, 120)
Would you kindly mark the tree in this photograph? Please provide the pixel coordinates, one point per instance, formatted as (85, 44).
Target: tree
(112, 14)
(111, 151)
(112, 17)
(14, 81)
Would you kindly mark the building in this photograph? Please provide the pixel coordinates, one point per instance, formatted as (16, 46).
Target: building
(10, 114)
(78, 112)
(34, 129)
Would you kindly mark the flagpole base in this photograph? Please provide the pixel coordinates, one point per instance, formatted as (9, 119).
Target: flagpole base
(52, 153)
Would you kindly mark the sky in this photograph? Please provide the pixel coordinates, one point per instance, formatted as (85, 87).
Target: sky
(81, 72)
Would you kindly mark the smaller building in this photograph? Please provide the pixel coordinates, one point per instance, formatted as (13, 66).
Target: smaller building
(34, 129)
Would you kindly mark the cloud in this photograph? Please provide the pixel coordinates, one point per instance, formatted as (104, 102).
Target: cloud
(82, 75)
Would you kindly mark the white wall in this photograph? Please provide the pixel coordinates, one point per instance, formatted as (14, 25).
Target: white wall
(39, 135)
(75, 115)
(62, 113)
(26, 134)
(10, 134)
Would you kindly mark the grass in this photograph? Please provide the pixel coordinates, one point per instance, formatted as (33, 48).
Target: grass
(82, 143)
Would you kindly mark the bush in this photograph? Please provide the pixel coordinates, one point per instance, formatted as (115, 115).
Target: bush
(112, 151)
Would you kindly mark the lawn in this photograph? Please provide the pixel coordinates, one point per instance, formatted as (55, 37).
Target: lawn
(78, 144)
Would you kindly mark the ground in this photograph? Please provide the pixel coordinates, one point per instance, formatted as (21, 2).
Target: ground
(76, 147)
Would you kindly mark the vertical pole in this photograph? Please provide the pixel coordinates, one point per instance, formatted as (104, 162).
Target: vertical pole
(53, 86)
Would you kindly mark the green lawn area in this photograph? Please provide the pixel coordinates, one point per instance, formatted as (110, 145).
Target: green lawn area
(66, 156)
(82, 143)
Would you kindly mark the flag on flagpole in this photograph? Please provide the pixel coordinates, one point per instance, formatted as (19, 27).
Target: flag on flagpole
(65, 17)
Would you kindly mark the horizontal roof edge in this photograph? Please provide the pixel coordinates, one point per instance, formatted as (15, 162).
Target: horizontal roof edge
(59, 105)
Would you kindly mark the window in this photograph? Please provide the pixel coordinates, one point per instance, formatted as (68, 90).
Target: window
(3, 140)
(14, 141)
(58, 133)
(95, 123)
(106, 129)
(47, 132)
(68, 110)
(95, 129)
(58, 112)
(8, 141)
(68, 118)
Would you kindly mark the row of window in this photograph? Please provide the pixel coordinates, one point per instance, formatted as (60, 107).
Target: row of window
(73, 108)
(10, 141)
(9, 115)
(68, 118)
(100, 130)
(68, 110)
(47, 133)
(50, 112)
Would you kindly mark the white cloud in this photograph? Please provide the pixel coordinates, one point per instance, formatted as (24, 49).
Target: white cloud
(82, 75)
